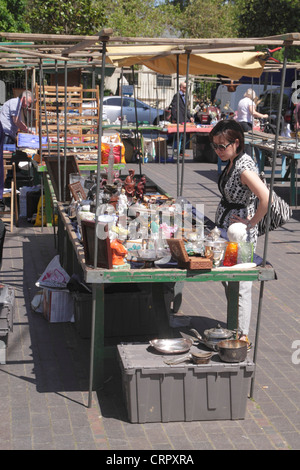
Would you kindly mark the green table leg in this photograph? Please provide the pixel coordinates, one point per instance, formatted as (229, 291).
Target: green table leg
(98, 347)
(232, 304)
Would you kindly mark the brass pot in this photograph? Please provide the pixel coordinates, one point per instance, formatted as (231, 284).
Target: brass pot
(232, 350)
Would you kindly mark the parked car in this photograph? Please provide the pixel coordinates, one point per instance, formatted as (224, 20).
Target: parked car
(145, 113)
(89, 108)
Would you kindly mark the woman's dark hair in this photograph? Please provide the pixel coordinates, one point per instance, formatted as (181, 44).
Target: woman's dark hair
(231, 130)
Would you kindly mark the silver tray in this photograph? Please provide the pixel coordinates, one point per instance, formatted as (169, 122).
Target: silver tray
(171, 346)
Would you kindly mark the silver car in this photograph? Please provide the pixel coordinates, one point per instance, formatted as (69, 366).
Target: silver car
(145, 113)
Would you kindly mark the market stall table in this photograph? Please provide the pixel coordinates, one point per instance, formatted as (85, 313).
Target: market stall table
(190, 129)
(72, 258)
(289, 164)
(134, 133)
(42, 173)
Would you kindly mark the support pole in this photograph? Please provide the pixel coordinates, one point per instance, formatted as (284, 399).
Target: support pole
(275, 153)
(178, 136)
(261, 293)
(26, 85)
(58, 136)
(100, 349)
(40, 111)
(40, 138)
(185, 118)
(121, 125)
(137, 141)
(66, 134)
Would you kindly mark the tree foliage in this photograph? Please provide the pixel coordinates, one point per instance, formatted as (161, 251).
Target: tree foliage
(154, 18)
(143, 18)
(268, 18)
(83, 17)
(12, 16)
(208, 19)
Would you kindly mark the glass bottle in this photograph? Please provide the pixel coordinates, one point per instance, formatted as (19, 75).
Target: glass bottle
(231, 254)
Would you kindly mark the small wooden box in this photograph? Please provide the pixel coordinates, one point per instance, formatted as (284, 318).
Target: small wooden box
(184, 260)
(104, 254)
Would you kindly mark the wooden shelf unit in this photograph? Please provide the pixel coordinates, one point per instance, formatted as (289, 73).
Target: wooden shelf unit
(82, 128)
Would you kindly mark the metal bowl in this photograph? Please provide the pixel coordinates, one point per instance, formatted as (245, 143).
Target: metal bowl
(171, 346)
(201, 357)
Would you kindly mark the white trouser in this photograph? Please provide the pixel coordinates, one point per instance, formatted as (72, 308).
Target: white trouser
(245, 305)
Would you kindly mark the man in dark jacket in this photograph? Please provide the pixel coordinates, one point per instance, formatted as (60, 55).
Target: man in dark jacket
(173, 105)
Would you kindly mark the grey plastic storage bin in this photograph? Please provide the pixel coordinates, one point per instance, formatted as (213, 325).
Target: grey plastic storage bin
(7, 305)
(156, 392)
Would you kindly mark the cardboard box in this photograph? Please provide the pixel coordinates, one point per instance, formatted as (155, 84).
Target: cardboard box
(58, 305)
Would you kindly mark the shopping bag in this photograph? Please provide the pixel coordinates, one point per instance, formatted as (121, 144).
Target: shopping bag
(54, 275)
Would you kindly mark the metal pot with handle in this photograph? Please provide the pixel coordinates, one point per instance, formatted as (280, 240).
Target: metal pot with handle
(232, 350)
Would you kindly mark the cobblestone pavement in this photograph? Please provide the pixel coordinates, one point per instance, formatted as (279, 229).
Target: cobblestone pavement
(43, 385)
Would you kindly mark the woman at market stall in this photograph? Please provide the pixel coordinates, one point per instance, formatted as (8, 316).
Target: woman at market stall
(240, 187)
(246, 111)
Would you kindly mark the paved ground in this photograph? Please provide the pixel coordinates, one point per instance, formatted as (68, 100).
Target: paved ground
(43, 385)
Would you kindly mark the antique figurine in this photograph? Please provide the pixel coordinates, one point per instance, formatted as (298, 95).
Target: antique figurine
(129, 183)
(122, 203)
(118, 252)
(141, 187)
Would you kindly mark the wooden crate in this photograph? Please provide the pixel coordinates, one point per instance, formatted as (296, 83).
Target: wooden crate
(52, 115)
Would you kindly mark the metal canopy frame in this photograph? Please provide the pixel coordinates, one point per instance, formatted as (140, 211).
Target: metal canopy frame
(84, 48)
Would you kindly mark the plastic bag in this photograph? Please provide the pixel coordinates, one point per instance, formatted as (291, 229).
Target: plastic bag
(118, 149)
(54, 275)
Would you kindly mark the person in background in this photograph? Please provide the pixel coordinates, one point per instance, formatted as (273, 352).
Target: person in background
(240, 186)
(12, 116)
(246, 111)
(297, 117)
(12, 119)
(173, 105)
(181, 110)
